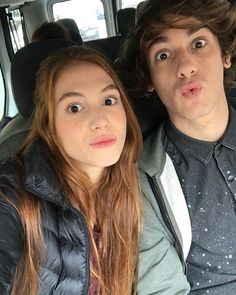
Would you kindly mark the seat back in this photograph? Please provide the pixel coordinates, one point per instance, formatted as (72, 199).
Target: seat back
(111, 46)
(24, 67)
(149, 111)
(125, 20)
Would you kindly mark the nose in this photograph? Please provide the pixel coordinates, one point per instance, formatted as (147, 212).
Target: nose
(186, 67)
(98, 121)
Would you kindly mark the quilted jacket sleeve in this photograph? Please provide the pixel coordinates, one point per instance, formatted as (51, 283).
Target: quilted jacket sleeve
(160, 269)
(11, 245)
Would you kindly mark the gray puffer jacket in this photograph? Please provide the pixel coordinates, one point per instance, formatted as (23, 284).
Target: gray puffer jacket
(166, 232)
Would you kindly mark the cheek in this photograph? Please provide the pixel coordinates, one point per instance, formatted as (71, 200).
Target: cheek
(159, 77)
(118, 124)
(216, 73)
(162, 86)
(65, 130)
(122, 121)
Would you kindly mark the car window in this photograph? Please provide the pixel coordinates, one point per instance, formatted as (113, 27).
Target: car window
(2, 95)
(15, 23)
(130, 3)
(89, 18)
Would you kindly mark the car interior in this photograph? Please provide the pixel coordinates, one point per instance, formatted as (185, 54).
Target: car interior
(20, 59)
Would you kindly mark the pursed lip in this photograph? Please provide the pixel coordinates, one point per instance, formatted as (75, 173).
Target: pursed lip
(191, 88)
(103, 141)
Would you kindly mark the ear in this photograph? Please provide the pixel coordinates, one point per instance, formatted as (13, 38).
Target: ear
(227, 61)
(150, 88)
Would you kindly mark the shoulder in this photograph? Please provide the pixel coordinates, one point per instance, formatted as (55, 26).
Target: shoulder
(8, 170)
(9, 192)
(11, 237)
(152, 159)
(7, 166)
(9, 214)
(153, 142)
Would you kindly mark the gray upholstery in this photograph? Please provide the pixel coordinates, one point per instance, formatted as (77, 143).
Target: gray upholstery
(111, 46)
(24, 66)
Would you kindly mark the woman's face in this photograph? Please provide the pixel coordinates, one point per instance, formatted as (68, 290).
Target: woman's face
(90, 119)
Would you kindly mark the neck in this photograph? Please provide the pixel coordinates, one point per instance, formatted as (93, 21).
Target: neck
(207, 128)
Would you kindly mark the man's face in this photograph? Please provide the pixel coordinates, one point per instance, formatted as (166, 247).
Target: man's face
(187, 70)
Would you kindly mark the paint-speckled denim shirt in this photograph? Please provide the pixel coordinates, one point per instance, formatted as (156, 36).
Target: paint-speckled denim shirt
(207, 173)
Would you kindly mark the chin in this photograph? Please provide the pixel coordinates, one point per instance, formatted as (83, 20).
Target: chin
(108, 162)
(196, 112)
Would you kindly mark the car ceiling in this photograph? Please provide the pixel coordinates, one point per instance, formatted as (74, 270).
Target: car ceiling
(13, 2)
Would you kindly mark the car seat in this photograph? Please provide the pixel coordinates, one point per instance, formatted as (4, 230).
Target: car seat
(126, 20)
(24, 66)
(111, 46)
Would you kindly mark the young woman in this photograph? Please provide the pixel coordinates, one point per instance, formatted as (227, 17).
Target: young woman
(69, 205)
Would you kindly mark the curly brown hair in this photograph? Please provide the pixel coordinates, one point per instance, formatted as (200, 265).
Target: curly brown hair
(154, 16)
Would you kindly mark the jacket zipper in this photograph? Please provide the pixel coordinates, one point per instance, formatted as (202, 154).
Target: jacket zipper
(157, 193)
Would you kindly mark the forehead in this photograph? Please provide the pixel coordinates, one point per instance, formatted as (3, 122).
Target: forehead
(82, 70)
(179, 26)
(184, 21)
(169, 23)
(77, 65)
(82, 76)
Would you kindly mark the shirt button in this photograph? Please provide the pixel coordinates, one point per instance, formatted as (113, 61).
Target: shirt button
(230, 178)
(220, 148)
(178, 161)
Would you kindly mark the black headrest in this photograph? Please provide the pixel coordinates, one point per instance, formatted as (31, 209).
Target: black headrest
(71, 26)
(125, 19)
(138, 9)
(24, 66)
(149, 111)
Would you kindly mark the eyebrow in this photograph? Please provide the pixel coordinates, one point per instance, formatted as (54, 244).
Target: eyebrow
(162, 39)
(79, 94)
(109, 87)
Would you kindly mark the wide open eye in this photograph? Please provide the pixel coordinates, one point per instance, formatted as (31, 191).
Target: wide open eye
(199, 43)
(163, 55)
(108, 101)
(74, 108)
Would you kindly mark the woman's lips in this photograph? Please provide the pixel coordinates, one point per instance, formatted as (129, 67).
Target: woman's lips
(103, 142)
(190, 89)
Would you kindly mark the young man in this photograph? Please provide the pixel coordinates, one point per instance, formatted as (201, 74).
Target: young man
(182, 49)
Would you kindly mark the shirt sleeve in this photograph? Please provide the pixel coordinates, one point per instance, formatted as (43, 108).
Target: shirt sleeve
(11, 245)
(160, 269)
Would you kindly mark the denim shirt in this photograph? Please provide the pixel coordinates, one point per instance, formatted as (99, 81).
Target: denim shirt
(207, 173)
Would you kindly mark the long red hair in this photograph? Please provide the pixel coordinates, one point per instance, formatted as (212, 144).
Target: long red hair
(115, 201)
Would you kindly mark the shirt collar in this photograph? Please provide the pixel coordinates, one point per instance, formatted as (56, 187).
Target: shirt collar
(203, 150)
(229, 137)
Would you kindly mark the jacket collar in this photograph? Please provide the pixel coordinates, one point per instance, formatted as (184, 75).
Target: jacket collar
(40, 178)
(152, 160)
(229, 138)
